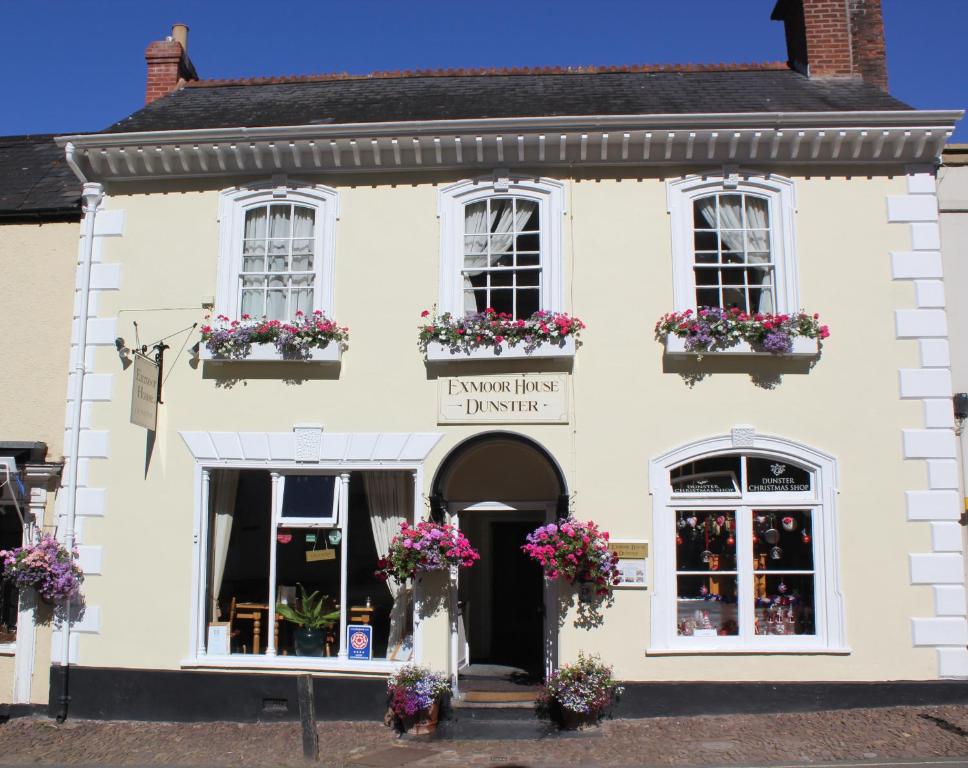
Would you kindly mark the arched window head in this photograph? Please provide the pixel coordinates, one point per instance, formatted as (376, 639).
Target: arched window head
(733, 243)
(501, 246)
(276, 250)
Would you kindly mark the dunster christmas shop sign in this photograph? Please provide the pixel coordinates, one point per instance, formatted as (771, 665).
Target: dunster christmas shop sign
(514, 398)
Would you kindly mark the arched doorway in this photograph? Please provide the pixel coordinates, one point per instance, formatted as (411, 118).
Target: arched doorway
(498, 487)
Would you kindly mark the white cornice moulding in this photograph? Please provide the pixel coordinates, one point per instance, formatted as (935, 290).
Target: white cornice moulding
(908, 136)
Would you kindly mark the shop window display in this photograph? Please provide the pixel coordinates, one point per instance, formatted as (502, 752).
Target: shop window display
(295, 555)
(743, 569)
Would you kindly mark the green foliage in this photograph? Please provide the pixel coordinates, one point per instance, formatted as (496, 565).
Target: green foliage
(315, 611)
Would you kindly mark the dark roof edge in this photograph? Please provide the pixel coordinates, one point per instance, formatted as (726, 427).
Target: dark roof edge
(42, 215)
(492, 72)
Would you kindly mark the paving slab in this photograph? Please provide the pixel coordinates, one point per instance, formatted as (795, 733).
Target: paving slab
(892, 737)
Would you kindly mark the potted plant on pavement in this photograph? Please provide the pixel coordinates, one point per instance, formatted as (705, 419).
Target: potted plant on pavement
(315, 615)
(415, 694)
(578, 694)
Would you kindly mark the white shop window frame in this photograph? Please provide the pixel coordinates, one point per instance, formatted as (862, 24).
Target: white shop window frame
(235, 202)
(331, 520)
(198, 658)
(821, 501)
(779, 191)
(549, 194)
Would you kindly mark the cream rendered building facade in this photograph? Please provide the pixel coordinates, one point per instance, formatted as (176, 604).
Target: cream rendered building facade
(189, 533)
(38, 249)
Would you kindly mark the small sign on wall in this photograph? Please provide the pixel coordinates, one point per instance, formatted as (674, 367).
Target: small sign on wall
(144, 392)
(359, 642)
(632, 562)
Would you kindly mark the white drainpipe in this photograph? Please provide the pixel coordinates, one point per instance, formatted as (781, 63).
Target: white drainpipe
(92, 195)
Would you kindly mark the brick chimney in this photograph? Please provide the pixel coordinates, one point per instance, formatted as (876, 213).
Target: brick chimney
(835, 38)
(169, 67)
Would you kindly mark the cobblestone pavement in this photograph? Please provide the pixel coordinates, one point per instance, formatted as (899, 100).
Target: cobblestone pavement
(871, 736)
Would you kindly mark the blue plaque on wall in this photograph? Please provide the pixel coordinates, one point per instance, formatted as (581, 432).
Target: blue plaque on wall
(359, 643)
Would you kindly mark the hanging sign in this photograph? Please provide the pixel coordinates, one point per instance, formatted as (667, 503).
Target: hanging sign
(359, 642)
(144, 392)
(514, 398)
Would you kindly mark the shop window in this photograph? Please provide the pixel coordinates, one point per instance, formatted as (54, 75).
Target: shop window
(733, 243)
(745, 554)
(323, 537)
(276, 252)
(11, 537)
(501, 246)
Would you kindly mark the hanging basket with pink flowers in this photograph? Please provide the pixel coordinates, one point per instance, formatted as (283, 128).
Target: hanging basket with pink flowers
(423, 548)
(577, 552)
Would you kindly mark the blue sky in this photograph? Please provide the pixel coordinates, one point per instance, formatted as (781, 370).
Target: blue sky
(80, 66)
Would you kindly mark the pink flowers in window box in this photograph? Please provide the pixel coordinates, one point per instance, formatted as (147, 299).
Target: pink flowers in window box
(47, 567)
(711, 329)
(576, 552)
(425, 547)
(497, 330)
(233, 339)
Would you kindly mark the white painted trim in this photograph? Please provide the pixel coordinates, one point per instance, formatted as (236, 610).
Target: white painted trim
(233, 204)
(355, 450)
(910, 136)
(829, 612)
(802, 347)
(438, 353)
(781, 194)
(451, 201)
(331, 353)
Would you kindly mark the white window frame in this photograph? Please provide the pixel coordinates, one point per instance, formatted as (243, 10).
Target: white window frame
(781, 194)
(332, 520)
(821, 501)
(235, 202)
(548, 193)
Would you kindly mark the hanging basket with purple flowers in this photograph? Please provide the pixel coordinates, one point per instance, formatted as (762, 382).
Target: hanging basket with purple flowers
(47, 567)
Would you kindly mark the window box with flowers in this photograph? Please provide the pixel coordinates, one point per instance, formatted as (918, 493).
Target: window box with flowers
(309, 338)
(490, 335)
(711, 330)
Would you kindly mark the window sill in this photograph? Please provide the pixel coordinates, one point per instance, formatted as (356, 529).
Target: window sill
(8, 649)
(802, 347)
(267, 353)
(438, 353)
(320, 664)
(712, 650)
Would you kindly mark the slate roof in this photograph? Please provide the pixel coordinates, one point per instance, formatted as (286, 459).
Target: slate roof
(389, 97)
(35, 180)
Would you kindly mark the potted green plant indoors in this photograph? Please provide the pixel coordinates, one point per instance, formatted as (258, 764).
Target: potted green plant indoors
(315, 616)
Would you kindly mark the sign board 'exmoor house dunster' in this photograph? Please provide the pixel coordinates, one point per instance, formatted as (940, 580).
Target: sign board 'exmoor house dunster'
(799, 495)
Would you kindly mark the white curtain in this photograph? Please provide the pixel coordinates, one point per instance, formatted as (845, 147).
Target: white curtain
(223, 489)
(732, 231)
(389, 495)
(502, 223)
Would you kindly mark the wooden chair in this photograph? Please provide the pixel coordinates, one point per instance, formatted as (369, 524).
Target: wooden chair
(253, 612)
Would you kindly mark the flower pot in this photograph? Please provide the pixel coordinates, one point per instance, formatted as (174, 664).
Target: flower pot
(568, 720)
(309, 642)
(422, 723)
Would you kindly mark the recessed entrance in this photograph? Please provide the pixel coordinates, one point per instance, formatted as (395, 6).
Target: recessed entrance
(498, 488)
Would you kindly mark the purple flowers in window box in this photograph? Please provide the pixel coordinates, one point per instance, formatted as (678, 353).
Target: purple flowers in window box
(712, 329)
(297, 340)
